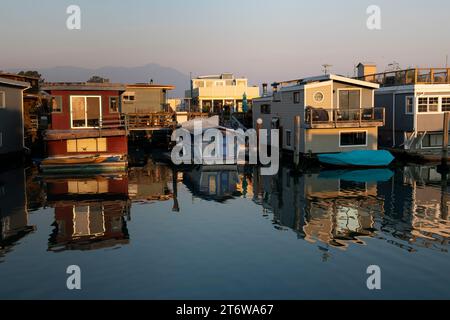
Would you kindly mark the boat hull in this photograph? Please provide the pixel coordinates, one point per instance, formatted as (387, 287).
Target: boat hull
(359, 158)
(104, 167)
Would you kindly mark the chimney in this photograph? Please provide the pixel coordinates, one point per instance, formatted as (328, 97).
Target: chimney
(264, 87)
(365, 70)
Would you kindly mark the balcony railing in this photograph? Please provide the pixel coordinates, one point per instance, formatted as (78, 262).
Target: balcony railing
(338, 118)
(410, 76)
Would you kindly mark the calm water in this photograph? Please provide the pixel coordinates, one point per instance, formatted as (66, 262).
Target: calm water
(225, 233)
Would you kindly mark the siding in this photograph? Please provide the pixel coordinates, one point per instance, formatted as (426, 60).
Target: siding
(11, 121)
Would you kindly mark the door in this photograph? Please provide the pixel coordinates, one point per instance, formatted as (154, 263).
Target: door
(349, 104)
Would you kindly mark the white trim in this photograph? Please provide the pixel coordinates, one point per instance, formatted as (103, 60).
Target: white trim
(3, 100)
(85, 110)
(354, 131)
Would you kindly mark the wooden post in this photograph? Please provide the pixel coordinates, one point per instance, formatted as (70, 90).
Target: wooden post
(297, 124)
(445, 133)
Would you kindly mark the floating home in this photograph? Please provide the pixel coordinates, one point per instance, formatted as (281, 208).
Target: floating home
(87, 133)
(415, 101)
(12, 143)
(145, 98)
(336, 114)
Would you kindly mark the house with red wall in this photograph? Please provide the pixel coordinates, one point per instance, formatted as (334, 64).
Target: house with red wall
(86, 129)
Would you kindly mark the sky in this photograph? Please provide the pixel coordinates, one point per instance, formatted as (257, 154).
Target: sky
(263, 40)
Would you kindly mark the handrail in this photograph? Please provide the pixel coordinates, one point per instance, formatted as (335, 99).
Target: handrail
(410, 76)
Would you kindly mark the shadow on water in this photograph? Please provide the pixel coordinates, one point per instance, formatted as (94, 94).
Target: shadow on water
(407, 208)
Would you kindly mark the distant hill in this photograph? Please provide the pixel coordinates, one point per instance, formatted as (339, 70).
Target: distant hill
(159, 74)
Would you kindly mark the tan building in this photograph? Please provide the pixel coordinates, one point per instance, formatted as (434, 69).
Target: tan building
(336, 113)
(221, 93)
(145, 98)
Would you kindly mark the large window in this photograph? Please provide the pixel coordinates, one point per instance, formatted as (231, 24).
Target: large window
(428, 104)
(128, 97)
(2, 100)
(350, 139)
(85, 111)
(432, 140)
(349, 100)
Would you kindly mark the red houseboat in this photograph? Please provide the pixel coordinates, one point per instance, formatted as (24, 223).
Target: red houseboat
(86, 132)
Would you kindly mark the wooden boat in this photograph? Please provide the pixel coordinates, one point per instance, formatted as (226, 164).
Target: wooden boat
(358, 158)
(73, 160)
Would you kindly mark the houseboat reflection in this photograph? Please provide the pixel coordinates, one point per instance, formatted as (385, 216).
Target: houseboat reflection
(213, 183)
(90, 213)
(13, 210)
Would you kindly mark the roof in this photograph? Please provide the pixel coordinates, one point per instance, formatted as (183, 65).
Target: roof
(14, 83)
(150, 86)
(333, 77)
(15, 75)
(83, 86)
(367, 64)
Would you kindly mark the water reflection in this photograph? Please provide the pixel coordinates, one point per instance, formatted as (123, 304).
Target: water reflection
(13, 210)
(90, 212)
(406, 208)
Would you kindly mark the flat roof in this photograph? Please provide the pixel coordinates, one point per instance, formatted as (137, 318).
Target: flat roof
(14, 83)
(152, 86)
(83, 86)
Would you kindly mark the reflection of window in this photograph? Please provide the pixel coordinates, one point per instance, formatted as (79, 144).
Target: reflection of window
(2, 100)
(86, 111)
(349, 139)
(409, 105)
(113, 104)
(212, 185)
(56, 104)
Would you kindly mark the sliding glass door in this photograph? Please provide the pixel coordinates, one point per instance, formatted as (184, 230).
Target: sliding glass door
(349, 103)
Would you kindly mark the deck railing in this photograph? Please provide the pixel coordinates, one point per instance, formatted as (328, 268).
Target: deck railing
(316, 117)
(410, 76)
(150, 121)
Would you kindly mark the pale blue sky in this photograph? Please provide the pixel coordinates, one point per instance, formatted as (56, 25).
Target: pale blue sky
(264, 40)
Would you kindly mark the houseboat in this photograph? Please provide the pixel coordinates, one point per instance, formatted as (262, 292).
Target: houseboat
(12, 143)
(327, 115)
(87, 132)
(415, 101)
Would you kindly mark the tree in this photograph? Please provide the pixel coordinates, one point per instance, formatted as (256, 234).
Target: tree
(98, 79)
(33, 74)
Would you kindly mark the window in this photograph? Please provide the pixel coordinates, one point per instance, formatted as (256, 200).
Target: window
(430, 104)
(446, 104)
(2, 100)
(56, 104)
(350, 139)
(409, 105)
(296, 97)
(318, 97)
(85, 111)
(432, 140)
(114, 104)
(219, 84)
(128, 97)
(288, 138)
(87, 145)
(265, 109)
(349, 100)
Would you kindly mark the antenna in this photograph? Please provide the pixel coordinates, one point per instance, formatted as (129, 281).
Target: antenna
(326, 68)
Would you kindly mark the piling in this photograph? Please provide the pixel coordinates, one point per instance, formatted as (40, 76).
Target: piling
(297, 141)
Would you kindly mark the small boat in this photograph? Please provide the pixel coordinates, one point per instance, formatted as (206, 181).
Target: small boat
(358, 158)
(73, 160)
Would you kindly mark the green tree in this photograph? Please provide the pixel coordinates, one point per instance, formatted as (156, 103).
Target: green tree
(98, 79)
